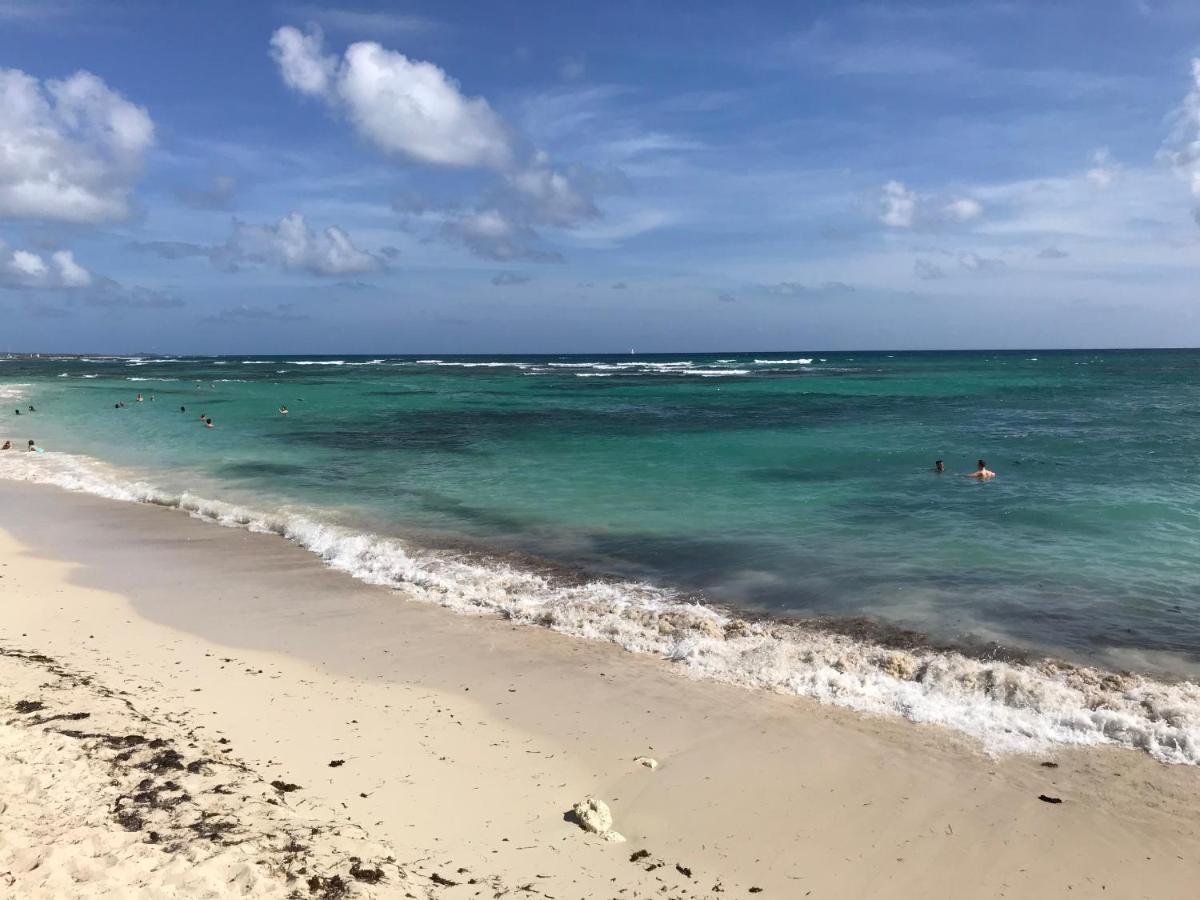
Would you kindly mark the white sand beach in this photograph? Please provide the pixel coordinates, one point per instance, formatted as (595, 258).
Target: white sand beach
(195, 711)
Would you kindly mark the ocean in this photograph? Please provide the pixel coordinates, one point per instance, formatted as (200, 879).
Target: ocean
(767, 519)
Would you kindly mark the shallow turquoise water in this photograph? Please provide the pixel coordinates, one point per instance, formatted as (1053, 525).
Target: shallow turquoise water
(797, 487)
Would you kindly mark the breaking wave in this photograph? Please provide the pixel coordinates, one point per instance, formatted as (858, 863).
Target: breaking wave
(1007, 706)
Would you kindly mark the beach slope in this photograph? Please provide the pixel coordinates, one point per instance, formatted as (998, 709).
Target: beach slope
(195, 711)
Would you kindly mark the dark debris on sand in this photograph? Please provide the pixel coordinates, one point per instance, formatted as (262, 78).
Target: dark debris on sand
(163, 786)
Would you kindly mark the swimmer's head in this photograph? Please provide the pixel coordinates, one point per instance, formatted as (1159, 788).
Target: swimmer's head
(982, 465)
(939, 466)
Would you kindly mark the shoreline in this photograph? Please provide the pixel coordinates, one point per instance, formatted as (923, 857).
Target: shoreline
(1009, 702)
(472, 737)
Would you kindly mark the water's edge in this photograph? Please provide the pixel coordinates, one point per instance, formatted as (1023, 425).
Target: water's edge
(1008, 705)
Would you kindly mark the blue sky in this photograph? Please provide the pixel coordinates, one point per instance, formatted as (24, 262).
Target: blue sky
(569, 177)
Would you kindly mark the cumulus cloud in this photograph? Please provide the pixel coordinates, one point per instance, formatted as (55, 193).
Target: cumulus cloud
(404, 106)
(902, 207)
(507, 278)
(1104, 170)
(898, 205)
(414, 110)
(291, 244)
(70, 150)
(927, 271)
(493, 234)
(23, 269)
(552, 198)
(1182, 149)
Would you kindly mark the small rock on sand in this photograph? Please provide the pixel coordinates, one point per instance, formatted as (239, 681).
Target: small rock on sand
(594, 815)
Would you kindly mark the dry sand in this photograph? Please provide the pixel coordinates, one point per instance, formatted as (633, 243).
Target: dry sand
(463, 742)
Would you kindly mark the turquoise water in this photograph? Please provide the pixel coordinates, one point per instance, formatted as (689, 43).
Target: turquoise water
(796, 484)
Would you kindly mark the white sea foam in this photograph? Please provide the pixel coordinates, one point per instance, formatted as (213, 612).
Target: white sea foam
(316, 362)
(135, 378)
(714, 373)
(783, 362)
(1009, 707)
(593, 374)
(473, 365)
(12, 391)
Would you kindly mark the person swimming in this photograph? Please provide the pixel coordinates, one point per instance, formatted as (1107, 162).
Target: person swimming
(31, 448)
(208, 423)
(7, 445)
(31, 409)
(982, 472)
(17, 411)
(939, 467)
(183, 409)
(283, 410)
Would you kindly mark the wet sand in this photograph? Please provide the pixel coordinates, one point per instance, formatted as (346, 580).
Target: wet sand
(464, 741)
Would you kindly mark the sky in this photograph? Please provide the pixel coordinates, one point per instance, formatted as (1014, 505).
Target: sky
(557, 177)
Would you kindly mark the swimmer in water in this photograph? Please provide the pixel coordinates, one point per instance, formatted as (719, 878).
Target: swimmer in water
(139, 398)
(31, 447)
(183, 409)
(939, 467)
(283, 411)
(208, 423)
(7, 445)
(982, 472)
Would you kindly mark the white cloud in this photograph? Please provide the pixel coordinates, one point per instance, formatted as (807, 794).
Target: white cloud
(1182, 149)
(552, 198)
(301, 63)
(1104, 170)
(492, 234)
(963, 209)
(416, 111)
(403, 106)
(294, 246)
(22, 269)
(976, 263)
(898, 205)
(69, 150)
(901, 207)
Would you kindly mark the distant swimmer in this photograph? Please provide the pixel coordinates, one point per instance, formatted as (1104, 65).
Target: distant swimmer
(139, 398)
(31, 409)
(939, 467)
(31, 448)
(183, 409)
(283, 411)
(202, 417)
(7, 445)
(17, 411)
(208, 423)
(982, 472)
